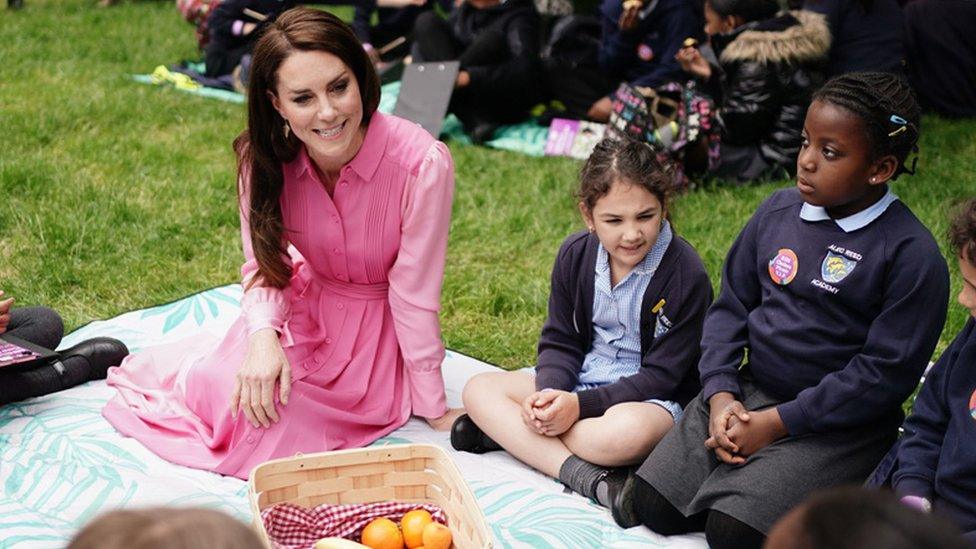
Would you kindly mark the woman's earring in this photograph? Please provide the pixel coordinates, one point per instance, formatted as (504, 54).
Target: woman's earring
(287, 129)
(591, 228)
(874, 180)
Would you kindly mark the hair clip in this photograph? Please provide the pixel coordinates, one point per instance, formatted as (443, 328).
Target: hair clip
(902, 123)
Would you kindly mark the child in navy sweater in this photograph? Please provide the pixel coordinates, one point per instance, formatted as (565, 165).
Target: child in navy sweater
(832, 300)
(618, 350)
(937, 458)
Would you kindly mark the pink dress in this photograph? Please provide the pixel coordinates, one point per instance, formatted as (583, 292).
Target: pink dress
(358, 321)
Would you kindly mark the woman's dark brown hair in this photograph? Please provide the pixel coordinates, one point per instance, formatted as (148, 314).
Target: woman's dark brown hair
(264, 147)
(627, 161)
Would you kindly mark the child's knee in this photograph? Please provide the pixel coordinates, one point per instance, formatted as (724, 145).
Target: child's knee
(478, 387)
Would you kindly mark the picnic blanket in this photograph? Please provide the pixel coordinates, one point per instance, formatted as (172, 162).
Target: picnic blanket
(526, 138)
(62, 464)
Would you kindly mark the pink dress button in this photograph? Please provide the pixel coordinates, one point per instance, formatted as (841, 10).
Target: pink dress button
(328, 341)
(340, 306)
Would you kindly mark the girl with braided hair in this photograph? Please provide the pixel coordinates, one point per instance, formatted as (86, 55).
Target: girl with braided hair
(832, 300)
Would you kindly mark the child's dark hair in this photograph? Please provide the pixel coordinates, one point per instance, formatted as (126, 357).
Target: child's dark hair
(857, 518)
(749, 10)
(628, 161)
(886, 105)
(962, 231)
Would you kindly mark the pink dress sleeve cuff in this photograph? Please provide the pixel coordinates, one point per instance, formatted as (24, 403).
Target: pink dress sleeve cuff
(264, 308)
(427, 396)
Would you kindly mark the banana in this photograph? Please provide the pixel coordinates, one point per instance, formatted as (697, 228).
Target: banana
(338, 543)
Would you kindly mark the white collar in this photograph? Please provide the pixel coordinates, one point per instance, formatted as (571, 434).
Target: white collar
(851, 223)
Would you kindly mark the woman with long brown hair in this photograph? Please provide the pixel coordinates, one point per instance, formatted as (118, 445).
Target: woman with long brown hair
(344, 221)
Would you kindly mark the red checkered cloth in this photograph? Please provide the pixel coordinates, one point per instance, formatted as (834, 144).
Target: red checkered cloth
(291, 526)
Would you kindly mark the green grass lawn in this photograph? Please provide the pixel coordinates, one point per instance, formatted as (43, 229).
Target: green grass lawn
(116, 195)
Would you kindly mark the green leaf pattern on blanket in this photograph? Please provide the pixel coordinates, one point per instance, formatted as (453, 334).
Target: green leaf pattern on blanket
(204, 306)
(525, 517)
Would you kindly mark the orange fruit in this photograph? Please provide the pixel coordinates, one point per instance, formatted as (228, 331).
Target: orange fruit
(412, 524)
(382, 533)
(437, 536)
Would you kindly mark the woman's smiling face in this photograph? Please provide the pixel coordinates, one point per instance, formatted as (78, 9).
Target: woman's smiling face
(319, 97)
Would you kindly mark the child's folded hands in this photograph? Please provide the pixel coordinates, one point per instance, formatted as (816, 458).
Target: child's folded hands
(762, 429)
(725, 412)
(553, 412)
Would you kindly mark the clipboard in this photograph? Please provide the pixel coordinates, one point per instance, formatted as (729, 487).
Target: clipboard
(425, 93)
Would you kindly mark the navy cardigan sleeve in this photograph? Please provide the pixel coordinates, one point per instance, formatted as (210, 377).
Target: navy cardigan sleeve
(561, 347)
(925, 429)
(671, 355)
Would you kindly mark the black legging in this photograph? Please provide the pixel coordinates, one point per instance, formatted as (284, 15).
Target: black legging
(721, 530)
(40, 326)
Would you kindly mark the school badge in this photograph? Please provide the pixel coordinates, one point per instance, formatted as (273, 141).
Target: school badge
(836, 267)
(783, 267)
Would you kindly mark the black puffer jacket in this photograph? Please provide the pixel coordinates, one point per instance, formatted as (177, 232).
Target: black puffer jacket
(769, 69)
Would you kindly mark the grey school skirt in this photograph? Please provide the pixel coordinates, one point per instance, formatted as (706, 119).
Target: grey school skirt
(773, 480)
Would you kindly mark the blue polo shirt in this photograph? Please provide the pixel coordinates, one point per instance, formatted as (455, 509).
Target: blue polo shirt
(839, 317)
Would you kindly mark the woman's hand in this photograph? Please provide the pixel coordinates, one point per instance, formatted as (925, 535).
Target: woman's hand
(764, 428)
(445, 422)
(264, 365)
(725, 412)
(5, 312)
(557, 410)
(693, 63)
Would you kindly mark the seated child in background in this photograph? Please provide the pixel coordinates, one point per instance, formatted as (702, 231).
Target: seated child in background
(867, 35)
(855, 518)
(497, 44)
(937, 457)
(394, 19)
(940, 51)
(770, 64)
(637, 45)
(233, 30)
(166, 528)
(833, 297)
(41, 326)
(618, 350)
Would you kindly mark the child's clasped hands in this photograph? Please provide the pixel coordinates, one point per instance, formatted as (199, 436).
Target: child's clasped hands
(550, 412)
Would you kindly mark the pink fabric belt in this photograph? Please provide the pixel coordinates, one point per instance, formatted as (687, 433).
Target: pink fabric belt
(379, 290)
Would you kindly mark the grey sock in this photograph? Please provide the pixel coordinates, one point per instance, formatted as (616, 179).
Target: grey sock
(603, 494)
(582, 476)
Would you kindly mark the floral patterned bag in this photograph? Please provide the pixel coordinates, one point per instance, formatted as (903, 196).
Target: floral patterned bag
(669, 119)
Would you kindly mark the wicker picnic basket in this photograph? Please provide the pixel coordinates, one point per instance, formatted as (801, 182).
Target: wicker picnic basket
(403, 472)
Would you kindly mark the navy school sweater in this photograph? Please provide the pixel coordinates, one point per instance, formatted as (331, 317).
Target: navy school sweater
(668, 361)
(645, 56)
(844, 334)
(937, 457)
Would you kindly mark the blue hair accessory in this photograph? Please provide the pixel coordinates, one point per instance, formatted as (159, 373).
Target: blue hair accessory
(902, 125)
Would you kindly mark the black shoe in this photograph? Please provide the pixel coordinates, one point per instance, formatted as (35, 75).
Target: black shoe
(468, 437)
(15, 4)
(100, 352)
(482, 132)
(620, 491)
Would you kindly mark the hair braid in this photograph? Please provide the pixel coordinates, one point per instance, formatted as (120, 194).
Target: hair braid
(882, 101)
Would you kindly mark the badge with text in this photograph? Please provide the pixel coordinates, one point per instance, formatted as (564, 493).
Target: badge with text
(783, 267)
(836, 267)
